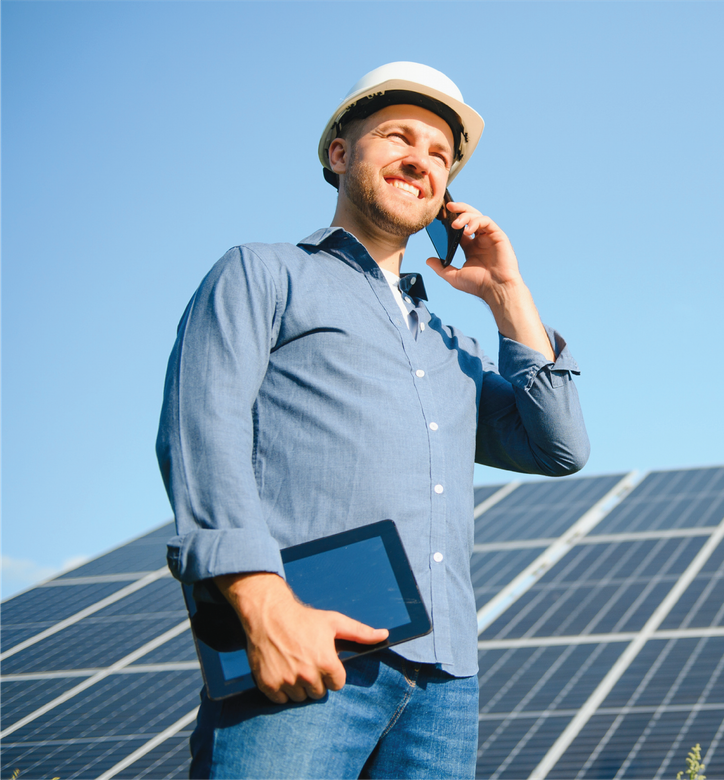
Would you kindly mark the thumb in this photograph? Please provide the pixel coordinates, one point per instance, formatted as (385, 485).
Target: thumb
(354, 631)
(436, 264)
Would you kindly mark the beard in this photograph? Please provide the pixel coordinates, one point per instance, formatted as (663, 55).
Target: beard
(360, 183)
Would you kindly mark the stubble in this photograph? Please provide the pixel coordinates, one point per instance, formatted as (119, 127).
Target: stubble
(359, 187)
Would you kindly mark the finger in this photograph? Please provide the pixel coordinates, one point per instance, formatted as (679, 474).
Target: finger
(295, 692)
(436, 264)
(335, 677)
(316, 692)
(347, 628)
(278, 697)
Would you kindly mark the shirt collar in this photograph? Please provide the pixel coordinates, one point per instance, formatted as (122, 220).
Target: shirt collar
(411, 284)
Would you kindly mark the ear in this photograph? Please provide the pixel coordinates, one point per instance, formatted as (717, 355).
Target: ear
(338, 155)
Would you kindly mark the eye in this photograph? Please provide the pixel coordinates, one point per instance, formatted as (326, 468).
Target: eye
(443, 158)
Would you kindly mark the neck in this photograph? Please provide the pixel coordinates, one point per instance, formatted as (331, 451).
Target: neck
(385, 249)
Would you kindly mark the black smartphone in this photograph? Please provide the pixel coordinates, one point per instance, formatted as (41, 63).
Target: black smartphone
(444, 237)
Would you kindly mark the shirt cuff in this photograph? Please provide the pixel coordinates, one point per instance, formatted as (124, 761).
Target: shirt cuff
(207, 553)
(520, 365)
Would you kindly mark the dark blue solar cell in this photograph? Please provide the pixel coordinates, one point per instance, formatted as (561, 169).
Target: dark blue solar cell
(516, 747)
(52, 604)
(161, 596)
(129, 705)
(687, 669)
(65, 759)
(535, 679)
(481, 493)
(598, 588)
(640, 745)
(715, 562)
(21, 697)
(542, 509)
(492, 571)
(177, 650)
(169, 760)
(91, 643)
(135, 557)
(14, 635)
(700, 606)
(670, 499)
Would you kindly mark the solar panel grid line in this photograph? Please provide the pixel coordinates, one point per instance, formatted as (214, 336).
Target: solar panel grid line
(656, 715)
(604, 687)
(589, 639)
(61, 674)
(83, 613)
(173, 666)
(649, 587)
(173, 729)
(569, 713)
(701, 599)
(94, 579)
(540, 509)
(96, 678)
(552, 554)
(620, 563)
(520, 708)
(714, 745)
(532, 607)
(663, 495)
(673, 750)
(170, 759)
(619, 719)
(625, 592)
(491, 501)
(522, 544)
(669, 533)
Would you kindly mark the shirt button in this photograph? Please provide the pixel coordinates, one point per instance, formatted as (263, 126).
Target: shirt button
(433, 426)
(419, 373)
(438, 489)
(422, 326)
(413, 279)
(437, 557)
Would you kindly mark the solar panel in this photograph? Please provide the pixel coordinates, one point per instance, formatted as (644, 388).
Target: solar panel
(601, 646)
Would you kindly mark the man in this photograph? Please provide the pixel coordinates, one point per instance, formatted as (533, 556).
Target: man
(311, 391)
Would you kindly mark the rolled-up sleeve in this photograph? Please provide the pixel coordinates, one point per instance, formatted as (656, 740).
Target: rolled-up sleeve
(529, 417)
(205, 444)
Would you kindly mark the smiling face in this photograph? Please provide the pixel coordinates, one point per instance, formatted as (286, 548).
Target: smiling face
(394, 168)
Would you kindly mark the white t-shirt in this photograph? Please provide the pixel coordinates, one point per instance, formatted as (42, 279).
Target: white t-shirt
(403, 301)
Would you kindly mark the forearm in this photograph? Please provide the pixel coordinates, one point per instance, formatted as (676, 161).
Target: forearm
(517, 317)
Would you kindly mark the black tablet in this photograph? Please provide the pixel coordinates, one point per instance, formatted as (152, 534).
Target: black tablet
(363, 573)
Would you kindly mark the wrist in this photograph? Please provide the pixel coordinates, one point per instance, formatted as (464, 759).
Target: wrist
(507, 295)
(251, 593)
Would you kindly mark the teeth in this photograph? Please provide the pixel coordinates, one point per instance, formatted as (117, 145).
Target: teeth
(403, 185)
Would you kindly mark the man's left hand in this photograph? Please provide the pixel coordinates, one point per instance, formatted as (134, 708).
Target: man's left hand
(491, 272)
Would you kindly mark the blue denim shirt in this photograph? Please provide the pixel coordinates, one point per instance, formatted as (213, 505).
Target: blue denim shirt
(298, 404)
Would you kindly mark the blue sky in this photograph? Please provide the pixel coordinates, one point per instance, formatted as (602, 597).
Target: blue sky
(141, 140)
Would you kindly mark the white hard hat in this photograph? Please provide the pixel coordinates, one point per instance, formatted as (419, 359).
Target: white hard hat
(407, 83)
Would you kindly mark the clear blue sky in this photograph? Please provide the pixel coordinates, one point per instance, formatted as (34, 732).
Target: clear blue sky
(141, 140)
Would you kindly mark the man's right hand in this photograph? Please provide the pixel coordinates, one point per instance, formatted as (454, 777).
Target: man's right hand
(291, 646)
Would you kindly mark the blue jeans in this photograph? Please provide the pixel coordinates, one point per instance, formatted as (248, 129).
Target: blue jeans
(393, 719)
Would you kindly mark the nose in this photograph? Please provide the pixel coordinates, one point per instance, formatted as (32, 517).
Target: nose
(417, 160)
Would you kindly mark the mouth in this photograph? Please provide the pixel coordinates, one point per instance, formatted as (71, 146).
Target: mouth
(405, 186)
